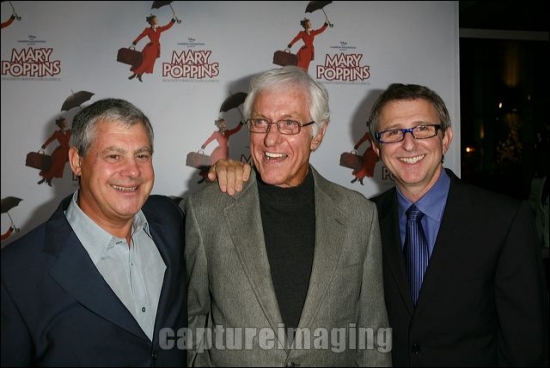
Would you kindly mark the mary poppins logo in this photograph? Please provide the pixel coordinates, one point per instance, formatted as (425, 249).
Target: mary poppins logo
(344, 67)
(191, 64)
(31, 62)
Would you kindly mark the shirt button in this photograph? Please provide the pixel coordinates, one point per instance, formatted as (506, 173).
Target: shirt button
(143, 309)
(415, 348)
(154, 355)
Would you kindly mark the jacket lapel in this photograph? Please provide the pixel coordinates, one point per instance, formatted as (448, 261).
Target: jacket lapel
(391, 245)
(78, 276)
(243, 219)
(457, 212)
(330, 231)
(171, 284)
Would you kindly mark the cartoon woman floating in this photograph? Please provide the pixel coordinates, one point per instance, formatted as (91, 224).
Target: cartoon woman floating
(60, 155)
(222, 137)
(306, 53)
(151, 51)
(369, 159)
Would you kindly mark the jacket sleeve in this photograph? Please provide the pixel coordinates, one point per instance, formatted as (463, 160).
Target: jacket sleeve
(521, 295)
(373, 313)
(298, 37)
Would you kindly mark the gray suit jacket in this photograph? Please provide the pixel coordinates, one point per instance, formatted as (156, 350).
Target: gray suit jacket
(231, 293)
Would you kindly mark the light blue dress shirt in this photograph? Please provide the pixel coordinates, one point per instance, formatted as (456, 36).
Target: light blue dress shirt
(432, 204)
(135, 273)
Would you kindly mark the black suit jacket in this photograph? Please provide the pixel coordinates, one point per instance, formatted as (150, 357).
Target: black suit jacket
(57, 310)
(483, 300)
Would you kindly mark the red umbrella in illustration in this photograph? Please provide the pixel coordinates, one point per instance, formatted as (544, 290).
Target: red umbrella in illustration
(316, 5)
(75, 100)
(160, 4)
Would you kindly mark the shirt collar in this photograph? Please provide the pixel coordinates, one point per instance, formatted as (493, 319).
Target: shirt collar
(93, 237)
(433, 202)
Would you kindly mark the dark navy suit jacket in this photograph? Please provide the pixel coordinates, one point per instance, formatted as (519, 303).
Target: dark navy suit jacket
(483, 301)
(57, 310)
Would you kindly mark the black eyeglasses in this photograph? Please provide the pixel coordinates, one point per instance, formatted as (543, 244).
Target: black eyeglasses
(418, 132)
(285, 126)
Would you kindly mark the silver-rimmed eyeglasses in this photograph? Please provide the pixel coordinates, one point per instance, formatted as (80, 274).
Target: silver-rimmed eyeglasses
(418, 132)
(285, 126)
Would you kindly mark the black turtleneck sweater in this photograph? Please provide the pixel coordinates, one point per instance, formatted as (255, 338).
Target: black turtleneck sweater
(288, 219)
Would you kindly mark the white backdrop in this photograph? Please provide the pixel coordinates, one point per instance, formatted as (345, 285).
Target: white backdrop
(61, 47)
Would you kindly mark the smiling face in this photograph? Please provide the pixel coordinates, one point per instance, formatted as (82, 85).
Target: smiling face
(116, 175)
(416, 164)
(283, 160)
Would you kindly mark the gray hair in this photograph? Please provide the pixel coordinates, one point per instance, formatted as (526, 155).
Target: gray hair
(291, 77)
(108, 110)
(397, 92)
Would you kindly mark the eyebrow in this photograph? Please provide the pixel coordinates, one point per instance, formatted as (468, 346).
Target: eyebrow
(121, 150)
(414, 124)
(144, 149)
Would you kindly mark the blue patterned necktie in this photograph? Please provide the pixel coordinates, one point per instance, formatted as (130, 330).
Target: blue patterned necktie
(415, 251)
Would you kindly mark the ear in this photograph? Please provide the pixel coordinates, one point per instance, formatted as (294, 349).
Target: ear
(376, 147)
(447, 139)
(74, 161)
(319, 138)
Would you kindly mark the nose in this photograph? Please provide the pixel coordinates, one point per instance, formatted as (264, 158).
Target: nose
(130, 168)
(272, 135)
(409, 141)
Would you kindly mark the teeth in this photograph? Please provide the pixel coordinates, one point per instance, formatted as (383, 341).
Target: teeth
(274, 155)
(412, 160)
(124, 189)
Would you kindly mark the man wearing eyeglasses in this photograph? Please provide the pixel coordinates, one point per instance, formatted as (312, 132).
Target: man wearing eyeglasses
(288, 271)
(483, 299)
